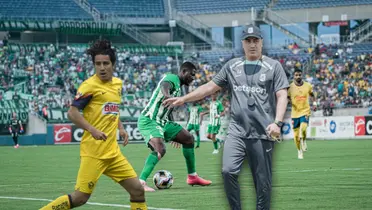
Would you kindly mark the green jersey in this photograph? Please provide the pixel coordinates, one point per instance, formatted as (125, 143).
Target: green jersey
(155, 109)
(194, 113)
(215, 109)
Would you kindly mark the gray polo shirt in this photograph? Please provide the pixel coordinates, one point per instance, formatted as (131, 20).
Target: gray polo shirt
(259, 80)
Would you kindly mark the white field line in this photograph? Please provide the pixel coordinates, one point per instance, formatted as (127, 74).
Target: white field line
(88, 203)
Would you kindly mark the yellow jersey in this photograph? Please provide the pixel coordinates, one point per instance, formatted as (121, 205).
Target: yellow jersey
(299, 96)
(100, 104)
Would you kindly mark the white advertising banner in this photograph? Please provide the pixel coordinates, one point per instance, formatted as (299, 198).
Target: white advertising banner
(331, 127)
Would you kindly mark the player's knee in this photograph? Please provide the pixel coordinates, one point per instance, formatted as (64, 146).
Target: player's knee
(189, 139)
(79, 198)
(162, 151)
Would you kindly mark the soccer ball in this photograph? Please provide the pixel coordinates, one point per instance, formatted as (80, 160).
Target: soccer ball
(163, 179)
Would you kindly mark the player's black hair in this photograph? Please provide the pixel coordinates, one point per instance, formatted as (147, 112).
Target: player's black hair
(102, 47)
(297, 70)
(188, 65)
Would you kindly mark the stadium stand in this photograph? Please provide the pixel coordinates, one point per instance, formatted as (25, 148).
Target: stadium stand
(341, 74)
(130, 8)
(303, 4)
(42, 9)
(218, 6)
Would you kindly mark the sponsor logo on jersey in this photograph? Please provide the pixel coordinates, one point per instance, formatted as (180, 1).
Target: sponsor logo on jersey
(245, 88)
(110, 108)
(300, 98)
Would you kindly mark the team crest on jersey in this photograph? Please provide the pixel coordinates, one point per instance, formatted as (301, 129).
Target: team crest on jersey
(263, 77)
(110, 108)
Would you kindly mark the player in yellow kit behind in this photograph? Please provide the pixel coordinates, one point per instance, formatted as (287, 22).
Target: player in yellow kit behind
(99, 97)
(299, 93)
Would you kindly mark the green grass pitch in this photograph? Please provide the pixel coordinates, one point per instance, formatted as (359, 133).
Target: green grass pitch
(333, 175)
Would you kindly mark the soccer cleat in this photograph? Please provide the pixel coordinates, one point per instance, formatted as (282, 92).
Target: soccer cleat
(16, 146)
(197, 146)
(215, 151)
(145, 187)
(197, 180)
(300, 155)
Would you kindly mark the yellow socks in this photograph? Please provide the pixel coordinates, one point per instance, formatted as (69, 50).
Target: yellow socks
(138, 206)
(61, 203)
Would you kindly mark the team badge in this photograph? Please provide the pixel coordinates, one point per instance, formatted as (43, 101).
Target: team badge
(263, 77)
(250, 30)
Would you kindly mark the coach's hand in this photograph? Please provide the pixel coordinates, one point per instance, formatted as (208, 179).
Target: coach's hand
(172, 102)
(273, 131)
(98, 135)
(124, 135)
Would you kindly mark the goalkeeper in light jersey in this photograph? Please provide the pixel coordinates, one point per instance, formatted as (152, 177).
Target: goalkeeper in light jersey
(194, 121)
(216, 110)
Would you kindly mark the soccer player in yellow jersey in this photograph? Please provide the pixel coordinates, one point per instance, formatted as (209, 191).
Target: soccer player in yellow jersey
(298, 94)
(99, 98)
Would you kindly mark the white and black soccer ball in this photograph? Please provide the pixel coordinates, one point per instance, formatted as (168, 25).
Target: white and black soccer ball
(163, 179)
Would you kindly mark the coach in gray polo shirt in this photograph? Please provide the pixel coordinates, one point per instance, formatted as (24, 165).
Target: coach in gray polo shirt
(258, 85)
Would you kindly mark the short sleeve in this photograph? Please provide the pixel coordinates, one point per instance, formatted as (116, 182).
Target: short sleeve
(171, 79)
(221, 77)
(280, 78)
(83, 96)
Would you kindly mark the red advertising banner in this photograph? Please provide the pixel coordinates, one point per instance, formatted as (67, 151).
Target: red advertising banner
(62, 133)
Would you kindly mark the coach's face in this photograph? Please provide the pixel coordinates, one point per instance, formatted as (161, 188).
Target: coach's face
(104, 67)
(252, 48)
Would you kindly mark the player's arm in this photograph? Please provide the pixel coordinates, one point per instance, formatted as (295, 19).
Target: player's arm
(122, 133)
(10, 127)
(81, 100)
(20, 126)
(166, 88)
(216, 84)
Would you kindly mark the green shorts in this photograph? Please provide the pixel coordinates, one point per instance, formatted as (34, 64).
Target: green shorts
(195, 127)
(213, 129)
(151, 129)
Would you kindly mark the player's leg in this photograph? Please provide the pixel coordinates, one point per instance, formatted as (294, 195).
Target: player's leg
(89, 172)
(296, 136)
(303, 130)
(197, 132)
(153, 135)
(260, 161)
(232, 160)
(122, 172)
(15, 139)
(175, 132)
(158, 151)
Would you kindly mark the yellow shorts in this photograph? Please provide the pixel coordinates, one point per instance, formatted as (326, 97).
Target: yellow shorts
(91, 169)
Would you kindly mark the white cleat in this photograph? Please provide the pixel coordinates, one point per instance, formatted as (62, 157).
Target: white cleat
(145, 187)
(300, 154)
(215, 151)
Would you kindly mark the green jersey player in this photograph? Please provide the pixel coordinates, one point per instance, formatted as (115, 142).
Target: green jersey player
(194, 122)
(216, 110)
(157, 127)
